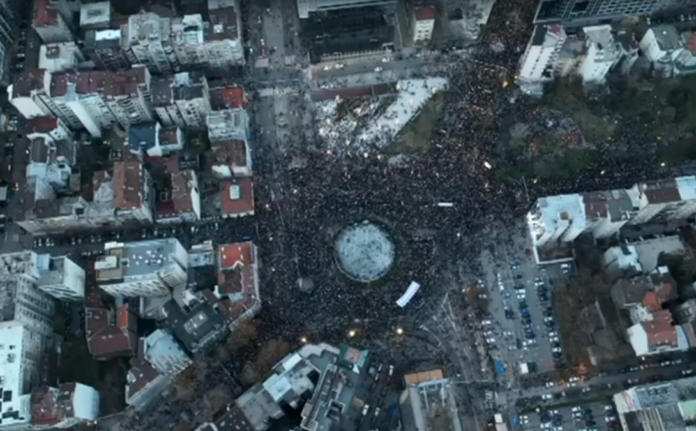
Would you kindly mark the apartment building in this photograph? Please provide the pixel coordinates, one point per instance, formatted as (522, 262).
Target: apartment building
(182, 100)
(143, 268)
(149, 42)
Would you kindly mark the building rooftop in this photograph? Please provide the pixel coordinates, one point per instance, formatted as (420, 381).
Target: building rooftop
(195, 328)
(230, 153)
(129, 182)
(667, 37)
(95, 14)
(51, 406)
(42, 125)
(227, 98)
(45, 14)
(431, 405)
(28, 81)
(164, 353)
(223, 20)
(138, 258)
(110, 336)
(237, 197)
(183, 184)
(140, 376)
(162, 92)
(142, 136)
(426, 13)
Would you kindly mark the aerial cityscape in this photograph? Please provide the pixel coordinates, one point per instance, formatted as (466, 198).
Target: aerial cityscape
(348, 215)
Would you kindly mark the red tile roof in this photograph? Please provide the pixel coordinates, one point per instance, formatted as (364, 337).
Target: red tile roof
(652, 301)
(128, 185)
(183, 183)
(230, 153)
(241, 206)
(28, 81)
(42, 125)
(660, 330)
(425, 13)
(235, 255)
(50, 406)
(226, 98)
(45, 14)
(107, 339)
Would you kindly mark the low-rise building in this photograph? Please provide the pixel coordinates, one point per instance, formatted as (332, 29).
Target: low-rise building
(237, 293)
(133, 193)
(143, 384)
(183, 201)
(111, 335)
(231, 159)
(66, 406)
(153, 140)
(227, 97)
(142, 268)
(163, 352)
(237, 197)
(197, 326)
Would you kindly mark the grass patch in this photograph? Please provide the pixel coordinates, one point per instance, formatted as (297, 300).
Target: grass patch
(417, 134)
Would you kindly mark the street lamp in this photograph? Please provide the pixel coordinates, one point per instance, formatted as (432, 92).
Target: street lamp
(303, 340)
(352, 333)
(399, 331)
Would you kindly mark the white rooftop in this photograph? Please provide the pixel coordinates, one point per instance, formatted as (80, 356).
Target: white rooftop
(412, 97)
(687, 187)
(560, 208)
(95, 13)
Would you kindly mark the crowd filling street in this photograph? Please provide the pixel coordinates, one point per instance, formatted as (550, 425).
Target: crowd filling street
(483, 312)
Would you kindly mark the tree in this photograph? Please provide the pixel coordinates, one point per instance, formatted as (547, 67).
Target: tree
(270, 354)
(249, 375)
(242, 335)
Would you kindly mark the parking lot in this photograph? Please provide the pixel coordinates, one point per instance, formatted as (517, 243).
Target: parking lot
(596, 416)
(521, 328)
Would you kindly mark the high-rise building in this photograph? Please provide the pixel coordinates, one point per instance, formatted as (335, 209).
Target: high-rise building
(148, 41)
(538, 61)
(428, 402)
(20, 368)
(143, 268)
(59, 277)
(182, 100)
(8, 25)
(306, 7)
(657, 406)
(104, 48)
(579, 13)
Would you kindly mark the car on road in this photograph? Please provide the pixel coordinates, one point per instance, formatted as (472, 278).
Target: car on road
(378, 69)
(553, 334)
(687, 372)
(365, 409)
(556, 350)
(546, 397)
(490, 340)
(550, 384)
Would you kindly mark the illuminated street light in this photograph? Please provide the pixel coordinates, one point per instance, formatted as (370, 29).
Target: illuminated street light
(399, 331)
(303, 340)
(352, 333)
